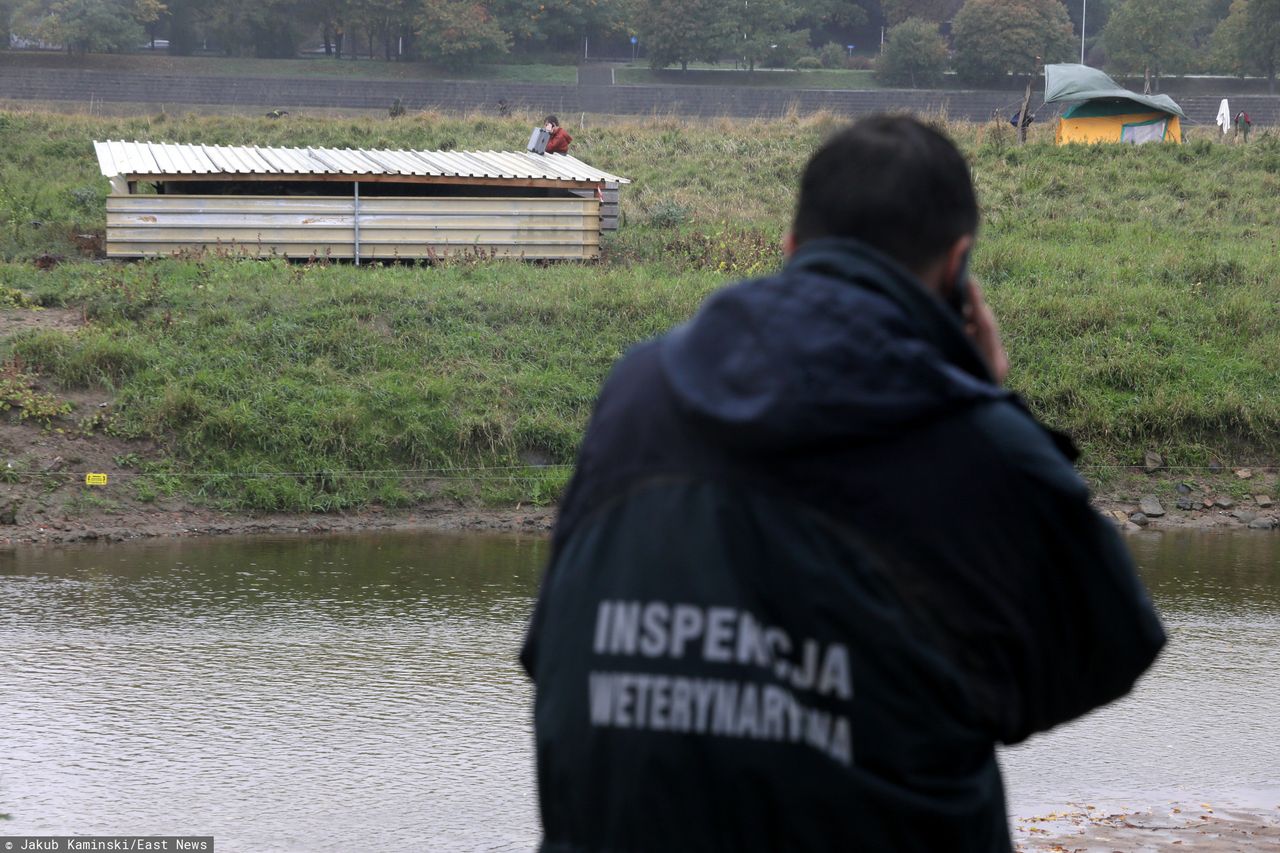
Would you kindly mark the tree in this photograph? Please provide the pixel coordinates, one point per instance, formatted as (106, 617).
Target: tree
(1152, 35)
(1095, 14)
(1264, 38)
(817, 14)
(181, 16)
(560, 22)
(266, 28)
(6, 13)
(382, 21)
(1209, 13)
(995, 38)
(765, 34)
(84, 26)
(914, 55)
(328, 17)
(1248, 40)
(898, 11)
(1229, 41)
(459, 32)
(683, 31)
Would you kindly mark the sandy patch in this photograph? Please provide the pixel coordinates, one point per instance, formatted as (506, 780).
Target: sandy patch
(1086, 829)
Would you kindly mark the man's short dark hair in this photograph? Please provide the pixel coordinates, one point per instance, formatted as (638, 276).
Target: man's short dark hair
(892, 182)
(551, 120)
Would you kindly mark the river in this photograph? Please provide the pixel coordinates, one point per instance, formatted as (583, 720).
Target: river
(361, 692)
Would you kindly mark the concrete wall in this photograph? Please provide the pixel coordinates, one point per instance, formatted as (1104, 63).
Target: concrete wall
(60, 84)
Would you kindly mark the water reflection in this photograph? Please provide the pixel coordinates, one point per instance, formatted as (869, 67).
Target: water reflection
(295, 694)
(1202, 725)
(340, 693)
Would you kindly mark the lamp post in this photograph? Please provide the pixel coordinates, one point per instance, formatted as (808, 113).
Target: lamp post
(1084, 14)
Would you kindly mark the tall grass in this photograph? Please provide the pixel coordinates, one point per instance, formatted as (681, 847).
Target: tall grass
(1138, 289)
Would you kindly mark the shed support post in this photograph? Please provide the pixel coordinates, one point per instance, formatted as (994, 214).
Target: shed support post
(355, 221)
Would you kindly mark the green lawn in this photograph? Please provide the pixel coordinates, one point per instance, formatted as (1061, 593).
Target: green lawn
(317, 66)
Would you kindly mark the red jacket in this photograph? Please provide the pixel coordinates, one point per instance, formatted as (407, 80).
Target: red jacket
(559, 141)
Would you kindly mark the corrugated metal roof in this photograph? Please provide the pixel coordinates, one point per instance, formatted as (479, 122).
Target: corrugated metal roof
(123, 159)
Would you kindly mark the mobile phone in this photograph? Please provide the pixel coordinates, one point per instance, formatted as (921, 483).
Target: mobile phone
(958, 297)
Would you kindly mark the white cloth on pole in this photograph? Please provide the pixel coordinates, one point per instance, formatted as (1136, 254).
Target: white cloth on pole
(1224, 116)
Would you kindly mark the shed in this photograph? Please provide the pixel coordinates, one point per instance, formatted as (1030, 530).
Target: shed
(1104, 111)
(348, 203)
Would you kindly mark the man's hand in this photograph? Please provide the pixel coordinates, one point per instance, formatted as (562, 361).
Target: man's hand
(981, 327)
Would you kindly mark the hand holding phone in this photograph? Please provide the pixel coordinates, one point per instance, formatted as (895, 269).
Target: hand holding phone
(981, 327)
(958, 297)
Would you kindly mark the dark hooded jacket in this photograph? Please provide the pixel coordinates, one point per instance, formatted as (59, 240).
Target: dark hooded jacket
(812, 567)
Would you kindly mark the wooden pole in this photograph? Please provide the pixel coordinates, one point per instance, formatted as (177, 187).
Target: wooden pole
(355, 221)
(1026, 105)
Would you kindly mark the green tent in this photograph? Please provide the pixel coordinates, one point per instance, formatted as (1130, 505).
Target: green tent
(1071, 82)
(1106, 111)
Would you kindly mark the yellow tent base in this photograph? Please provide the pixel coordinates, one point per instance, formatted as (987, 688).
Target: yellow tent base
(1092, 129)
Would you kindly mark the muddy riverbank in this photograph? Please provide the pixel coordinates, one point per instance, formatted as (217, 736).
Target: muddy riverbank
(1086, 828)
(60, 509)
(123, 522)
(195, 521)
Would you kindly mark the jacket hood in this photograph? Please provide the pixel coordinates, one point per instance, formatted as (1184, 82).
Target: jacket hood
(844, 343)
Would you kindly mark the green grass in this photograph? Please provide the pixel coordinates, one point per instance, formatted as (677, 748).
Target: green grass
(1136, 287)
(780, 79)
(315, 66)
(266, 369)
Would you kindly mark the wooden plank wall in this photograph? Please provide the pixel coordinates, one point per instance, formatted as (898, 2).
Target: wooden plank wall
(390, 228)
(609, 206)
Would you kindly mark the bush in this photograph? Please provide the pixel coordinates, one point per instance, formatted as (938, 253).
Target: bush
(668, 214)
(914, 55)
(87, 200)
(808, 63)
(832, 55)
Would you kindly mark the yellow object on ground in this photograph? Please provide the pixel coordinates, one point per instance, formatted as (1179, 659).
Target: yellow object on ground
(1135, 127)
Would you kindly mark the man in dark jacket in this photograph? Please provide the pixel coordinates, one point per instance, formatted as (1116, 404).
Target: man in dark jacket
(815, 563)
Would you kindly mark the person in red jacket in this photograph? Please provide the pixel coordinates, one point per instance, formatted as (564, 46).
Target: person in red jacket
(560, 138)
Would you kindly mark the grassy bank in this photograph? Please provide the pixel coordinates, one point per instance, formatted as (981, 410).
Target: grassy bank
(1137, 288)
(325, 67)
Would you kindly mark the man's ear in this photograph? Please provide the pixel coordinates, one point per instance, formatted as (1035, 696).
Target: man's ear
(788, 244)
